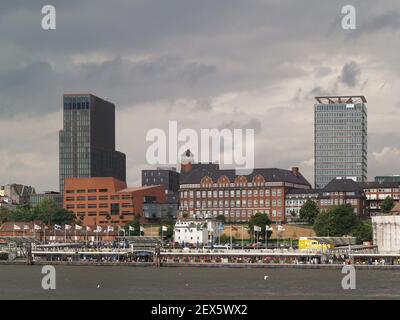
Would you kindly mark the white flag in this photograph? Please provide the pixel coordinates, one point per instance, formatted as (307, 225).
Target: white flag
(131, 228)
(78, 227)
(98, 229)
(57, 227)
(110, 229)
(16, 227)
(88, 229)
(268, 228)
(67, 227)
(141, 229)
(26, 227)
(257, 228)
(36, 227)
(280, 228)
(164, 228)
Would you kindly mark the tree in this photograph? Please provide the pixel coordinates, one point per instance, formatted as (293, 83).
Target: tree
(49, 212)
(309, 211)
(136, 225)
(363, 231)
(387, 204)
(261, 220)
(167, 235)
(4, 213)
(337, 221)
(226, 239)
(221, 218)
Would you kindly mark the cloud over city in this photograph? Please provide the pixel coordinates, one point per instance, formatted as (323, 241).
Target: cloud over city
(207, 64)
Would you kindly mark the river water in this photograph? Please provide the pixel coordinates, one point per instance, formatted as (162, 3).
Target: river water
(103, 282)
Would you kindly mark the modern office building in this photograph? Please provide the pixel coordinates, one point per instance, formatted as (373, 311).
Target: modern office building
(108, 201)
(394, 178)
(16, 194)
(39, 197)
(340, 139)
(166, 176)
(87, 141)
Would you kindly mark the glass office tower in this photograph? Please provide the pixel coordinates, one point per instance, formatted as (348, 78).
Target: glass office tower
(340, 139)
(87, 141)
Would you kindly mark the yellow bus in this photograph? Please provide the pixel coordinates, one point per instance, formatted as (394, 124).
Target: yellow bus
(313, 244)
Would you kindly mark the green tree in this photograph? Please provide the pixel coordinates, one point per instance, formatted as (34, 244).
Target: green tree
(136, 225)
(309, 211)
(221, 218)
(261, 220)
(51, 213)
(363, 231)
(23, 213)
(226, 239)
(4, 214)
(337, 221)
(169, 234)
(387, 204)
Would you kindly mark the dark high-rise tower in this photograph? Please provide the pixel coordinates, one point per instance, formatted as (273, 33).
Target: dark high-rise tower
(340, 139)
(87, 141)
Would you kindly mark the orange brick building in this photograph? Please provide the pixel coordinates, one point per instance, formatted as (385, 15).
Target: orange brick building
(108, 201)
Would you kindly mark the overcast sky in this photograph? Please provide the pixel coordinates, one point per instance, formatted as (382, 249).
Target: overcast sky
(207, 64)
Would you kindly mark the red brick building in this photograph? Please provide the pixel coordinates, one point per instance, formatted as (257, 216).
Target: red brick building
(208, 191)
(108, 201)
(376, 192)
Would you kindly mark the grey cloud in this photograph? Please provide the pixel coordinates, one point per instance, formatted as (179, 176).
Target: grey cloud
(350, 74)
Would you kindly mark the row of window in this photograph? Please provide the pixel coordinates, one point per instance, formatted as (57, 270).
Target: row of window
(231, 204)
(94, 205)
(231, 193)
(86, 191)
(95, 198)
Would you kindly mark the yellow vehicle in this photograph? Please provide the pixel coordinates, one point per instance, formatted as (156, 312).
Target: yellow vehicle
(313, 244)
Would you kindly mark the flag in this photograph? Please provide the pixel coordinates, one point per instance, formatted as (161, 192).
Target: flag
(67, 227)
(133, 229)
(88, 229)
(16, 227)
(57, 227)
(78, 227)
(121, 229)
(36, 227)
(268, 228)
(110, 229)
(26, 227)
(280, 228)
(99, 229)
(164, 228)
(141, 229)
(257, 228)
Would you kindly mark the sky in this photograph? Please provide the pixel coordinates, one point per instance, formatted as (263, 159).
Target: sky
(206, 64)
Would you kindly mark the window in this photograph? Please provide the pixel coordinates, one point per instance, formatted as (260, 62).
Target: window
(102, 190)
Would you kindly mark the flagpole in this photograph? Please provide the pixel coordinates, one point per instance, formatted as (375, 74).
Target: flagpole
(242, 235)
(231, 237)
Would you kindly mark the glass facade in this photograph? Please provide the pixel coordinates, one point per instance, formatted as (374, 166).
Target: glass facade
(87, 141)
(340, 141)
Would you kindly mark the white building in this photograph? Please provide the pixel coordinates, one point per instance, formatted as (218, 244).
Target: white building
(193, 232)
(386, 230)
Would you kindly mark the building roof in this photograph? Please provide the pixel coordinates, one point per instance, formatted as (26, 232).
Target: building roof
(396, 209)
(343, 185)
(134, 189)
(378, 185)
(212, 170)
(340, 99)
